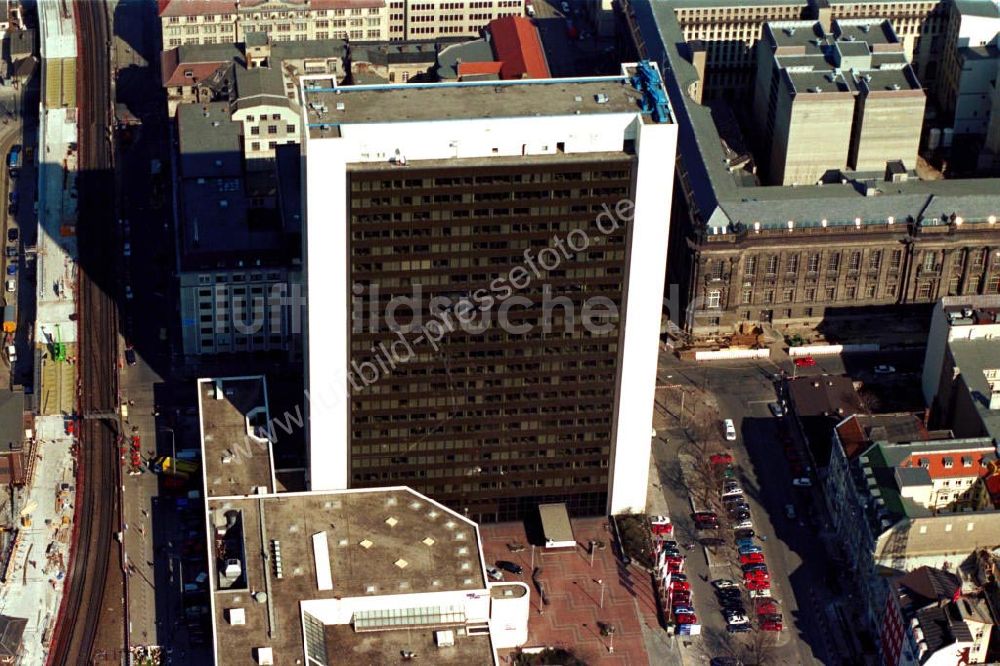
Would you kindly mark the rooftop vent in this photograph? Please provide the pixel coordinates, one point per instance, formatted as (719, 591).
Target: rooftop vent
(601, 98)
(265, 656)
(816, 89)
(236, 616)
(789, 31)
(366, 544)
(391, 522)
(428, 541)
(341, 106)
(432, 514)
(894, 86)
(415, 505)
(401, 563)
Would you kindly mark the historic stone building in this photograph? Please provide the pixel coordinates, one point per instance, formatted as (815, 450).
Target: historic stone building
(855, 244)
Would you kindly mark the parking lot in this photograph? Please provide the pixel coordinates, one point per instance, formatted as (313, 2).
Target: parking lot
(787, 516)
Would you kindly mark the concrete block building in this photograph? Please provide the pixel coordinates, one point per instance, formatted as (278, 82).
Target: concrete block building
(830, 102)
(441, 193)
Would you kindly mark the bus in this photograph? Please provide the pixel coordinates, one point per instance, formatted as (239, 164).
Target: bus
(14, 160)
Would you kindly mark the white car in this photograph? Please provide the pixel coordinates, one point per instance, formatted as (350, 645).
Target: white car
(11, 286)
(803, 482)
(730, 429)
(732, 491)
(884, 370)
(743, 525)
(737, 618)
(494, 573)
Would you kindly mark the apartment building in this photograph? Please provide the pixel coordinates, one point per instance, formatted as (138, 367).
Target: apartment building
(857, 246)
(929, 621)
(903, 505)
(436, 200)
(239, 237)
(302, 577)
(833, 101)
(434, 19)
(229, 21)
(961, 380)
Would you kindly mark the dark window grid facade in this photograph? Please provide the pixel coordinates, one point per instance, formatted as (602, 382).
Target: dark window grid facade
(492, 423)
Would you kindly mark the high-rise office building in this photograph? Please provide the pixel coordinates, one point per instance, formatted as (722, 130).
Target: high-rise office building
(485, 270)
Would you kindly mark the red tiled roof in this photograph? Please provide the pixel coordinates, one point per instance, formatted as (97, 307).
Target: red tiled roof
(993, 488)
(174, 73)
(473, 68)
(936, 468)
(517, 46)
(209, 7)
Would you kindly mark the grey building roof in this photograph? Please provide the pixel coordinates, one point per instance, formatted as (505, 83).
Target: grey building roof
(395, 53)
(478, 50)
(21, 43)
(11, 633)
(724, 198)
(928, 585)
(912, 476)
(255, 38)
(985, 8)
(942, 626)
(260, 81)
(11, 419)
(972, 357)
(210, 142)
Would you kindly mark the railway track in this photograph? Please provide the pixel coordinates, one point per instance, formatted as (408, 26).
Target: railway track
(97, 472)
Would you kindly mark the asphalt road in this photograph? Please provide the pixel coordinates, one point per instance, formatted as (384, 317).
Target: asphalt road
(794, 555)
(795, 549)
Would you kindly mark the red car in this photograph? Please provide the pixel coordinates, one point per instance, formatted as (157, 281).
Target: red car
(752, 558)
(680, 599)
(660, 525)
(771, 625)
(678, 585)
(756, 574)
(688, 618)
(757, 584)
(720, 459)
(675, 564)
(805, 361)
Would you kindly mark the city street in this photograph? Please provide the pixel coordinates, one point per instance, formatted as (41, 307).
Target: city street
(795, 549)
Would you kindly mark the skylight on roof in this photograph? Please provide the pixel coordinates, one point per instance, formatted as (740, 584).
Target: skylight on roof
(401, 563)
(390, 521)
(366, 544)
(428, 541)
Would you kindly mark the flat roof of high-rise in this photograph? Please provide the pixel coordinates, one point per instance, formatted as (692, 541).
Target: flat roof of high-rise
(329, 105)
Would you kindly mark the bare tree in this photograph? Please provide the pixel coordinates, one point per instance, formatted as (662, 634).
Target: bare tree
(759, 648)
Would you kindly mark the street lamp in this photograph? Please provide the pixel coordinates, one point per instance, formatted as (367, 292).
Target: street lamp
(600, 581)
(611, 639)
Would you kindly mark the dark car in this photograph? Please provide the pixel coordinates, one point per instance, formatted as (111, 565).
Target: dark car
(11, 250)
(12, 235)
(746, 533)
(738, 628)
(510, 566)
(130, 355)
